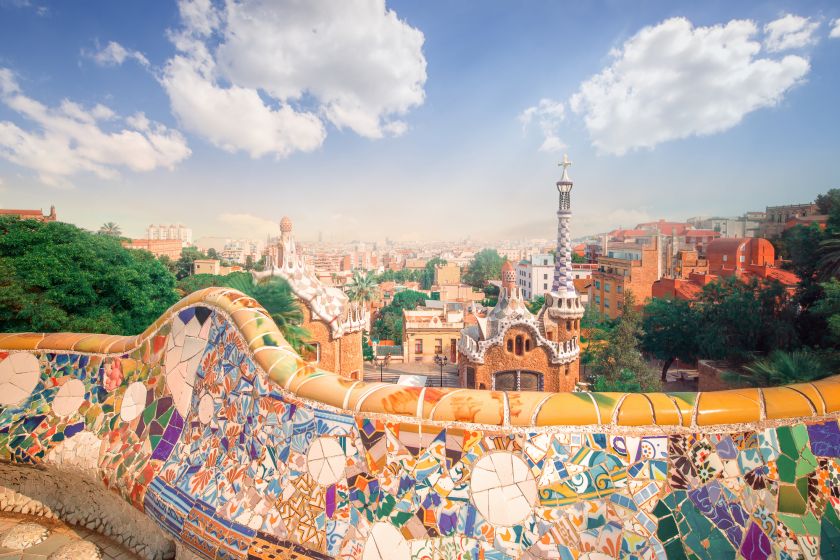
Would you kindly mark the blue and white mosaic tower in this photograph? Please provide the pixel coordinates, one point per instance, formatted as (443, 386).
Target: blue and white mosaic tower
(563, 257)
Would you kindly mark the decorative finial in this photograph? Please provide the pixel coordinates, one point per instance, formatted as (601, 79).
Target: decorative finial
(565, 165)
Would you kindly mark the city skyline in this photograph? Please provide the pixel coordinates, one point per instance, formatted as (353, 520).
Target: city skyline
(455, 133)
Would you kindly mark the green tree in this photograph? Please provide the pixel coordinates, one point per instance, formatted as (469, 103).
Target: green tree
(536, 304)
(485, 266)
(578, 259)
(828, 309)
(388, 324)
(55, 277)
(184, 265)
(197, 282)
(110, 228)
(828, 202)
(427, 277)
(625, 382)
(781, 368)
(829, 264)
(408, 299)
(212, 253)
(670, 331)
(362, 287)
(367, 349)
(276, 296)
(621, 355)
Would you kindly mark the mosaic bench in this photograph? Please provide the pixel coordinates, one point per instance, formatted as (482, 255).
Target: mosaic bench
(206, 436)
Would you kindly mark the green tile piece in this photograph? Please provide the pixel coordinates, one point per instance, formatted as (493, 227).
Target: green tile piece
(793, 522)
(790, 500)
(787, 445)
(800, 436)
(787, 468)
(163, 420)
(830, 534)
(807, 463)
(812, 524)
(674, 550)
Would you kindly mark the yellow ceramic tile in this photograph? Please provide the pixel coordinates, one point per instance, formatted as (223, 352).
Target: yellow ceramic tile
(362, 390)
(783, 402)
(635, 410)
(126, 344)
(268, 356)
(329, 389)
(568, 409)
(667, 410)
(812, 394)
(96, 343)
(728, 407)
(523, 404)
(469, 405)
(392, 399)
(283, 370)
(305, 372)
(22, 341)
(829, 388)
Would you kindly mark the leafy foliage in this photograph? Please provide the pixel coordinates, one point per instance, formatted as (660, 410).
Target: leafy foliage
(427, 277)
(620, 358)
(55, 277)
(670, 331)
(362, 287)
(388, 325)
(367, 349)
(184, 265)
(781, 368)
(486, 266)
(197, 282)
(110, 228)
(276, 296)
(536, 304)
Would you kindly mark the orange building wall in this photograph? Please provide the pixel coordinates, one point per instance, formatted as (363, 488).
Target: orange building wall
(342, 355)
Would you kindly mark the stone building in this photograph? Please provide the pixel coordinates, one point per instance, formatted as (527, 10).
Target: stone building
(431, 331)
(30, 214)
(626, 267)
(335, 323)
(512, 349)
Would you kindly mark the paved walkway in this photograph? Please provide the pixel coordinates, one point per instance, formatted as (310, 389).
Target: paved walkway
(25, 537)
(391, 374)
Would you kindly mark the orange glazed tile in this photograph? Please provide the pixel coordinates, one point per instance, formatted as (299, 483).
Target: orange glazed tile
(22, 341)
(667, 410)
(783, 402)
(812, 394)
(469, 405)
(568, 409)
(829, 388)
(127, 344)
(523, 404)
(282, 371)
(268, 356)
(60, 341)
(305, 372)
(362, 390)
(393, 399)
(606, 404)
(328, 389)
(728, 407)
(635, 410)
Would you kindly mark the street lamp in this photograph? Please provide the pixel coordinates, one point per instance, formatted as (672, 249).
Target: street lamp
(383, 362)
(441, 361)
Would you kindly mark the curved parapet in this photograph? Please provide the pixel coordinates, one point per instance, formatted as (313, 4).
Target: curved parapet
(231, 446)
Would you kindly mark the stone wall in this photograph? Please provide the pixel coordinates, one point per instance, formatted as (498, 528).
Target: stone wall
(210, 426)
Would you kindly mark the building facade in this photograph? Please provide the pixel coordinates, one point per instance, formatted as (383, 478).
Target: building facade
(628, 267)
(448, 274)
(430, 332)
(172, 231)
(535, 276)
(170, 248)
(512, 349)
(37, 215)
(335, 323)
(776, 217)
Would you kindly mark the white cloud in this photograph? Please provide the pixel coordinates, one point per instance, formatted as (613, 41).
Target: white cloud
(674, 80)
(790, 32)
(264, 76)
(70, 139)
(114, 54)
(835, 29)
(249, 225)
(548, 115)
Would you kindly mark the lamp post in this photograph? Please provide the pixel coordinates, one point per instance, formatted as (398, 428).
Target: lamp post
(383, 362)
(441, 361)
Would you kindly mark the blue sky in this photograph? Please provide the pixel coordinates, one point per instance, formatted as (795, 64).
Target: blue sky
(410, 120)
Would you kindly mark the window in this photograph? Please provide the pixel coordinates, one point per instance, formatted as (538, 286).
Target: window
(519, 345)
(606, 286)
(545, 286)
(619, 288)
(517, 380)
(314, 355)
(606, 302)
(545, 276)
(418, 346)
(510, 345)
(597, 299)
(568, 325)
(597, 284)
(438, 346)
(725, 258)
(742, 258)
(527, 344)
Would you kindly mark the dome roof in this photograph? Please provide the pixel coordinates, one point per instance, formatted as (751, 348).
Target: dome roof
(286, 224)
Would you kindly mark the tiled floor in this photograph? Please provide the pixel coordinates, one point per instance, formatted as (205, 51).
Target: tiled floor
(60, 535)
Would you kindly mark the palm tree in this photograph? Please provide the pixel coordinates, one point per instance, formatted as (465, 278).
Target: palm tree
(781, 368)
(110, 228)
(276, 296)
(829, 264)
(362, 287)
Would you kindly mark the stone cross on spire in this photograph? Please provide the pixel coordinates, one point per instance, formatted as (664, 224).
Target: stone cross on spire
(565, 165)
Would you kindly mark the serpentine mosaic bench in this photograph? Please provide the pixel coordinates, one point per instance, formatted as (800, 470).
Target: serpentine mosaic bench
(207, 436)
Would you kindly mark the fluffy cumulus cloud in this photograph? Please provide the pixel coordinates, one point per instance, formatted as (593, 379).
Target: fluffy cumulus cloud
(674, 80)
(548, 115)
(60, 142)
(114, 54)
(790, 32)
(835, 29)
(266, 76)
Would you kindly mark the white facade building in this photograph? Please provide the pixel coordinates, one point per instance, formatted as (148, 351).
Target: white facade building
(172, 231)
(535, 277)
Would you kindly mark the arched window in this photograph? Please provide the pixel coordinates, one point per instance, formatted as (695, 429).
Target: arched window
(568, 325)
(527, 344)
(519, 345)
(510, 345)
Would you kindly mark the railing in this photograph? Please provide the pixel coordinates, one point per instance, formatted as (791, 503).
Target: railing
(222, 438)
